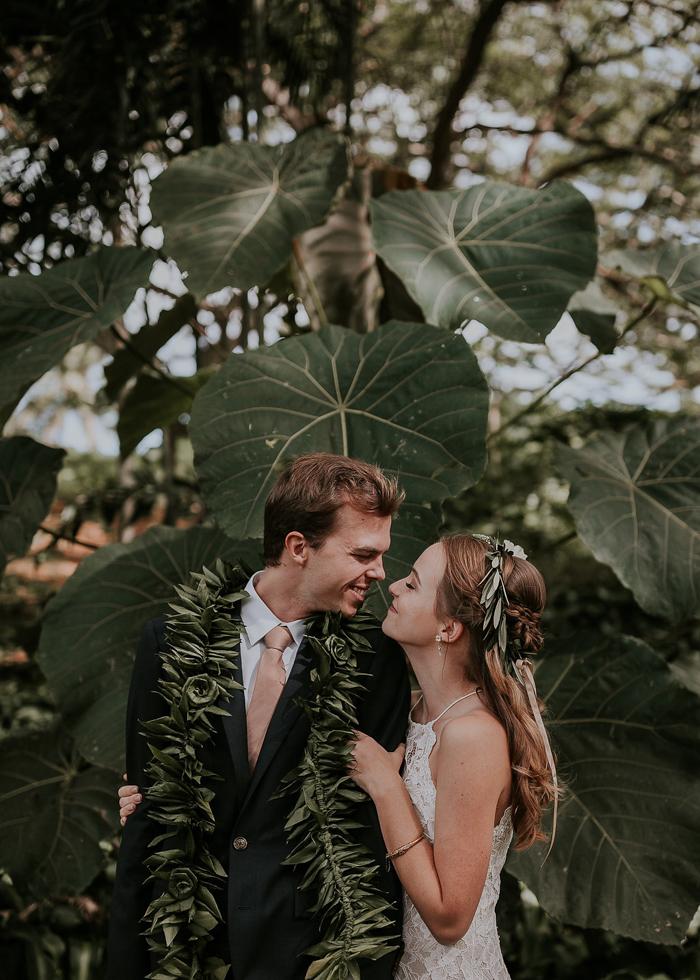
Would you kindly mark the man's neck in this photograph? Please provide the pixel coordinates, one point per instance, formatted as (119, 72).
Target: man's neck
(279, 594)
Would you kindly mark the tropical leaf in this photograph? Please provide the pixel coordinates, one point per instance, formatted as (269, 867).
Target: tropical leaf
(413, 528)
(628, 738)
(594, 315)
(408, 397)
(42, 317)
(675, 266)
(504, 255)
(230, 212)
(54, 811)
(635, 497)
(27, 487)
(154, 402)
(92, 626)
(143, 347)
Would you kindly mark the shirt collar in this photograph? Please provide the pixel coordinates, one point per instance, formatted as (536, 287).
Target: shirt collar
(258, 619)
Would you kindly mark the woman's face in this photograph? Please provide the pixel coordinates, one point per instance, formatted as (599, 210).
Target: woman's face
(411, 618)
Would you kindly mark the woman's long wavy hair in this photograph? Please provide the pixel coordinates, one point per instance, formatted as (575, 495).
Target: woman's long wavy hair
(458, 598)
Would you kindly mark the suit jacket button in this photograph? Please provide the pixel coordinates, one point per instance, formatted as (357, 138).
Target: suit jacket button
(240, 843)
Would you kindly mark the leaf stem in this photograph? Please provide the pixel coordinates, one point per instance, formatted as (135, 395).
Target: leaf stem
(309, 282)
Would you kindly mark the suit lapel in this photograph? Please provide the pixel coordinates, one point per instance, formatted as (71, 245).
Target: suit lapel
(286, 713)
(235, 729)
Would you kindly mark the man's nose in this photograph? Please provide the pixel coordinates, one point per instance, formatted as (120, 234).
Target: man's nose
(376, 570)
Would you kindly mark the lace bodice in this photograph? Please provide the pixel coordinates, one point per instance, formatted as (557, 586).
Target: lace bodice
(477, 956)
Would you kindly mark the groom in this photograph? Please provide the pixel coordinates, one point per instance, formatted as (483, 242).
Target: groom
(327, 526)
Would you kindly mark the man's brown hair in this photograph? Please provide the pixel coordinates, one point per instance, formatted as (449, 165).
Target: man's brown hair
(312, 489)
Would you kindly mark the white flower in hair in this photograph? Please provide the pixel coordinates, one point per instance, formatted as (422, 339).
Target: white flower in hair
(515, 550)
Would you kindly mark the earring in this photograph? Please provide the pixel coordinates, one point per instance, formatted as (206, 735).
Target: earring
(439, 643)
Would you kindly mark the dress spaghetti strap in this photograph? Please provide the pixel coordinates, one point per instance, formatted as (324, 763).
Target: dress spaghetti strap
(464, 696)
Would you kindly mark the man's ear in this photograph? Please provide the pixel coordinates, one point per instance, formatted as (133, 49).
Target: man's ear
(297, 547)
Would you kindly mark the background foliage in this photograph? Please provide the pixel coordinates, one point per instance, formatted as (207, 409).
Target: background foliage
(377, 167)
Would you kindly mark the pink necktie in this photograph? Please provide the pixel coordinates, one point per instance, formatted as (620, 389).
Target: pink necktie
(269, 684)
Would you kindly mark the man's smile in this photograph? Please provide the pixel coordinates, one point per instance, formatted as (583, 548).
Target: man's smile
(359, 591)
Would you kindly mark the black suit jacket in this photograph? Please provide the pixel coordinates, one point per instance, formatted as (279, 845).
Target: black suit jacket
(266, 919)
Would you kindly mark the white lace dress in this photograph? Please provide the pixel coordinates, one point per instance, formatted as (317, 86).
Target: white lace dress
(477, 955)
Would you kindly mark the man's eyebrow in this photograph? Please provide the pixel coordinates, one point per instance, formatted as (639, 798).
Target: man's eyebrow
(365, 551)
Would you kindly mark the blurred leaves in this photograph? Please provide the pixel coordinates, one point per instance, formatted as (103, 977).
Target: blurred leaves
(27, 487)
(671, 271)
(595, 316)
(42, 317)
(155, 401)
(54, 811)
(142, 348)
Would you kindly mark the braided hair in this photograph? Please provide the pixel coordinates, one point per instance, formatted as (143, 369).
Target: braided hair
(458, 598)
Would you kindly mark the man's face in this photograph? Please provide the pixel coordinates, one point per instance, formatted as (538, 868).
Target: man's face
(341, 570)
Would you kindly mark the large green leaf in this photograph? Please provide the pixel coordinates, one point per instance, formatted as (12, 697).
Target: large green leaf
(54, 811)
(154, 402)
(408, 397)
(627, 732)
(92, 626)
(635, 497)
(676, 265)
(27, 487)
(42, 317)
(504, 255)
(230, 212)
(128, 361)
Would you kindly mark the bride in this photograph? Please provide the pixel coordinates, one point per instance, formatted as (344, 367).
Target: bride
(477, 765)
(477, 761)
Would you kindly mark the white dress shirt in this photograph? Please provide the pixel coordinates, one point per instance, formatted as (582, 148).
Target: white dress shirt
(258, 620)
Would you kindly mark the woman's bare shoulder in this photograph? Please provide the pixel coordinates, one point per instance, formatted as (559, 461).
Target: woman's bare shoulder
(474, 730)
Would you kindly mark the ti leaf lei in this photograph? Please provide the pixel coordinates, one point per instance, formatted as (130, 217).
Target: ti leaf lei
(342, 872)
(203, 640)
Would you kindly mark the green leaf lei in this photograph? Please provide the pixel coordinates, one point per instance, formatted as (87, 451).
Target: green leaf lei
(203, 640)
(342, 872)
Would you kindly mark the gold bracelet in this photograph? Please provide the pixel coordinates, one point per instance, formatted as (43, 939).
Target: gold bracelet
(402, 850)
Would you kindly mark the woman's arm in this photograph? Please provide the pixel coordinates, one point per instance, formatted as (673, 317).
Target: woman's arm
(444, 881)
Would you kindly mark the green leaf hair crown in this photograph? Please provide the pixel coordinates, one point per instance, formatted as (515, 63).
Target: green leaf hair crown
(494, 599)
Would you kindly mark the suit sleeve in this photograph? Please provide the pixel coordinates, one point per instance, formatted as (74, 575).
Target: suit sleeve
(128, 956)
(384, 710)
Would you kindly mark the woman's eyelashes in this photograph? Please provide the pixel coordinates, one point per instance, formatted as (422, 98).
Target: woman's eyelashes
(411, 587)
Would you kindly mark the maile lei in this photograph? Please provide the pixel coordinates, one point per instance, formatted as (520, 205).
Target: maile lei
(203, 639)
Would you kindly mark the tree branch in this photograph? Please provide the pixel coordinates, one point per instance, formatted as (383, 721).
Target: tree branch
(149, 362)
(471, 63)
(56, 535)
(535, 403)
